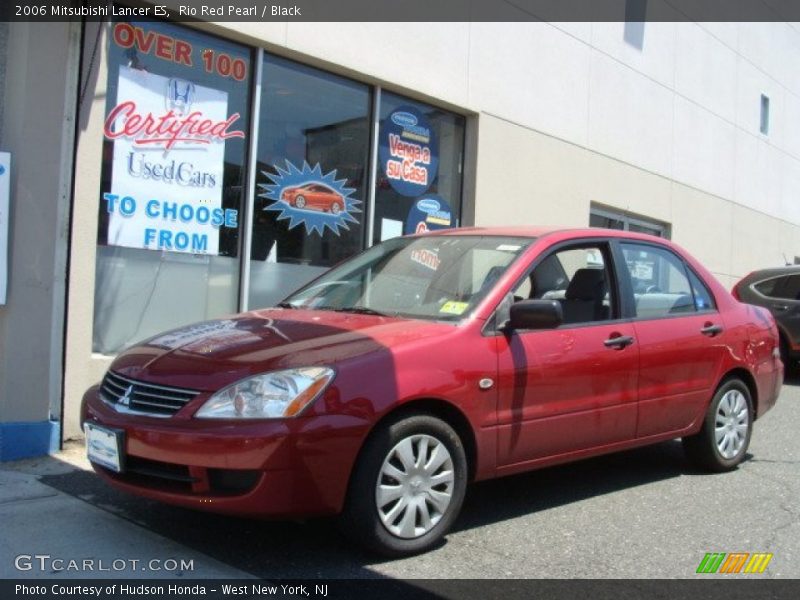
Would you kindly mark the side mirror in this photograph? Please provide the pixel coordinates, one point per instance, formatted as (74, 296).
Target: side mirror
(535, 314)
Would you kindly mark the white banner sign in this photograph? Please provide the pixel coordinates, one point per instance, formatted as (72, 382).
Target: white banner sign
(5, 191)
(169, 154)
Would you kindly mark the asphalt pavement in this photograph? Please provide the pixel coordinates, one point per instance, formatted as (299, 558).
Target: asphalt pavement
(639, 514)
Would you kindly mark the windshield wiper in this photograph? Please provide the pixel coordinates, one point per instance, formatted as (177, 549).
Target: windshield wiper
(285, 305)
(361, 310)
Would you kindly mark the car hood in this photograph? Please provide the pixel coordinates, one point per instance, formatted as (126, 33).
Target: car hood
(210, 355)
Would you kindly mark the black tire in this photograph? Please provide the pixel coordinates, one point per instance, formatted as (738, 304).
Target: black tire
(335, 208)
(300, 202)
(789, 364)
(361, 520)
(702, 448)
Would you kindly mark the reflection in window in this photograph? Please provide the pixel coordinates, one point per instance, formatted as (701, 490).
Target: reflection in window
(428, 277)
(169, 213)
(312, 157)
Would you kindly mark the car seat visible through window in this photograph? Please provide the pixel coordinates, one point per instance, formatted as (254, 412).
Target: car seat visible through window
(583, 301)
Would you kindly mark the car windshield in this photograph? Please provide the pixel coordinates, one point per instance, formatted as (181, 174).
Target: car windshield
(429, 277)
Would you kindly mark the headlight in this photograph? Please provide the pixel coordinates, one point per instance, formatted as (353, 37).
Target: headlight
(268, 396)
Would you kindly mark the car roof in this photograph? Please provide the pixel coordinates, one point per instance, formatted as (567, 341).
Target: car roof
(565, 233)
(773, 272)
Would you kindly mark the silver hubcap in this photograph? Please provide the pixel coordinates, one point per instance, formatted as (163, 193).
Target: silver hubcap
(415, 486)
(732, 423)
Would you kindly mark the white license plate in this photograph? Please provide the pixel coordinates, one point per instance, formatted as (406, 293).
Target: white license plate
(104, 446)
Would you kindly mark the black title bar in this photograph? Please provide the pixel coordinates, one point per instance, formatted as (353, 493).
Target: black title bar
(407, 10)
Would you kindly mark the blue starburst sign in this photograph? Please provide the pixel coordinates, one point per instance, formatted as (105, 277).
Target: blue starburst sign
(309, 198)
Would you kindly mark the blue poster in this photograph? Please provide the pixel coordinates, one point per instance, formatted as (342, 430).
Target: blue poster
(408, 151)
(429, 214)
(309, 198)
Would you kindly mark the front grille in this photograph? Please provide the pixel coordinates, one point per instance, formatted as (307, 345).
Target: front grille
(129, 395)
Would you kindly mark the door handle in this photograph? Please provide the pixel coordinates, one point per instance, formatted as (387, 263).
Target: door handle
(780, 306)
(711, 330)
(619, 342)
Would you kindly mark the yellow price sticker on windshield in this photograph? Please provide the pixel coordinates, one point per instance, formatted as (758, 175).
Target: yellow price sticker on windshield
(454, 308)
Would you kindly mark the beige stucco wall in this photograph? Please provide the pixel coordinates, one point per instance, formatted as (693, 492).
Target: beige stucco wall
(39, 88)
(526, 177)
(84, 369)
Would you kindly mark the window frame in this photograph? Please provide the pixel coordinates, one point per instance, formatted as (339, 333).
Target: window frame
(494, 323)
(628, 219)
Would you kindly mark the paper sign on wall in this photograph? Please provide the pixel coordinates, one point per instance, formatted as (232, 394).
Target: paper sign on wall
(5, 191)
(169, 155)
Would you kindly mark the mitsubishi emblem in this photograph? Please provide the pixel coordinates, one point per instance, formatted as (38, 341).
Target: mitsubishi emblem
(125, 399)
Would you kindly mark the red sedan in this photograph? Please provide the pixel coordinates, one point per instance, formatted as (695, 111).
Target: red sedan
(380, 390)
(314, 196)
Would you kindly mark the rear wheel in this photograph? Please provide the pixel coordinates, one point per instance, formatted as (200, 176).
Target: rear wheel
(407, 487)
(789, 364)
(723, 441)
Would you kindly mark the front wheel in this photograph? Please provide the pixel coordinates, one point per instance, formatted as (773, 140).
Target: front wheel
(723, 441)
(407, 487)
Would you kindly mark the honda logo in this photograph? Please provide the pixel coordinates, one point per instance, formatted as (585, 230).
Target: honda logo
(180, 96)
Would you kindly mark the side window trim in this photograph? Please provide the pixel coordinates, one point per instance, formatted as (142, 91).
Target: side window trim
(690, 271)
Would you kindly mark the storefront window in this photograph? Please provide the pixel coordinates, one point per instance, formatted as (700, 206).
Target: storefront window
(171, 198)
(174, 180)
(312, 160)
(420, 157)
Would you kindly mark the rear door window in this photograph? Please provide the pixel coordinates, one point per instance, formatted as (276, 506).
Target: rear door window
(660, 281)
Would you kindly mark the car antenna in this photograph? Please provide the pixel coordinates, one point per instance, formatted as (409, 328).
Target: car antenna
(786, 262)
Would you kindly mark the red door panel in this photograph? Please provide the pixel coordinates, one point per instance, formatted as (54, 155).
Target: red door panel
(679, 368)
(564, 390)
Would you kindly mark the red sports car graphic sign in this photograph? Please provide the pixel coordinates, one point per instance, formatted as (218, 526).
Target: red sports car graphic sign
(309, 198)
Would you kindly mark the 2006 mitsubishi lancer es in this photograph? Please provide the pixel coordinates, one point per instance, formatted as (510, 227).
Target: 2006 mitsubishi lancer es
(380, 390)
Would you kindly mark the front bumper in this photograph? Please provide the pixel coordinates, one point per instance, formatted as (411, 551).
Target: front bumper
(282, 468)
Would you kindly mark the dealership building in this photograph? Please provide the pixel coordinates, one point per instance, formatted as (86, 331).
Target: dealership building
(162, 173)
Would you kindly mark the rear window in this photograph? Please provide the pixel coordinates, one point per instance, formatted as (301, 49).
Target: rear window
(767, 288)
(786, 287)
